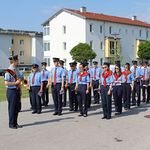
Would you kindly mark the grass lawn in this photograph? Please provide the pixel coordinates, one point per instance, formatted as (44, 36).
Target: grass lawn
(3, 89)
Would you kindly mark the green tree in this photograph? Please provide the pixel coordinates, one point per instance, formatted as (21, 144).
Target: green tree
(82, 52)
(144, 50)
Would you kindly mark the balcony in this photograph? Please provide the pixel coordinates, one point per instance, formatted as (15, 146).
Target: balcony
(112, 47)
(138, 42)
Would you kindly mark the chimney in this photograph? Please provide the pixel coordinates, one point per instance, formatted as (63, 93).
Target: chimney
(83, 9)
(134, 18)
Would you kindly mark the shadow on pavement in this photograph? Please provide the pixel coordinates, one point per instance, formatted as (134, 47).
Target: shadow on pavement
(46, 121)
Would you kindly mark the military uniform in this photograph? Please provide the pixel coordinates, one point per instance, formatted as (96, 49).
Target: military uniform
(119, 79)
(71, 83)
(13, 94)
(106, 81)
(95, 77)
(137, 87)
(45, 75)
(145, 83)
(82, 82)
(57, 77)
(35, 84)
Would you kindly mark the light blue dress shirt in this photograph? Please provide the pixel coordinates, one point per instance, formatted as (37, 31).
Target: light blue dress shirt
(59, 74)
(74, 76)
(98, 73)
(45, 76)
(37, 81)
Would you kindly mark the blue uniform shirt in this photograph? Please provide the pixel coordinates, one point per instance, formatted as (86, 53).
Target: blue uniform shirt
(98, 73)
(10, 78)
(130, 78)
(59, 74)
(84, 80)
(120, 80)
(109, 80)
(74, 76)
(45, 75)
(138, 71)
(37, 81)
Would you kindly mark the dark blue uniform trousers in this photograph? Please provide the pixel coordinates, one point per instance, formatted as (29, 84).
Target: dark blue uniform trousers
(73, 102)
(95, 85)
(82, 98)
(127, 95)
(136, 90)
(117, 94)
(36, 99)
(57, 97)
(106, 101)
(45, 95)
(13, 106)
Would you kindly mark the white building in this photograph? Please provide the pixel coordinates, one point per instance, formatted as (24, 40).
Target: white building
(28, 45)
(106, 34)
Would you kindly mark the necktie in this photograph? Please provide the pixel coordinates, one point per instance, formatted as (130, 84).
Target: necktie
(55, 76)
(144, 73)
(43, 73)
(71, 79)
(95, 74)
(134, 71)
(33, 78)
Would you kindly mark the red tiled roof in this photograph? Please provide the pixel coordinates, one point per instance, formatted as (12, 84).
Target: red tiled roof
(102, 17)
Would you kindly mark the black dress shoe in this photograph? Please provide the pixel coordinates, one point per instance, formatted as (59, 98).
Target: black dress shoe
(34, 112)
(85, 115)
(80, 115)
(147, 102)
(39, 112)
(59, 114)
(55, 113)
(108, 118)
(133, 104)
(13, 127)
(104, 117)
(71, 109)
(95, 102)
(19, 126)
(117, 113)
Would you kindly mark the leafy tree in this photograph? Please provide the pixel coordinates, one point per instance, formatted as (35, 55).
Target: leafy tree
(144, 50)
(82, 52)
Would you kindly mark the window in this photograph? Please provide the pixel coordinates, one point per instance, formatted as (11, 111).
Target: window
(21, 42)
(21, 53)
(101, 29)
(112, 47)
(110, 30)
(64, 45)
(47, 60)
(101, 45)
(91, 44)
(47, 46)
(46, 30)
(12, 41)
(64, 29)
(147, 34)
(91, 28)
(140, 33)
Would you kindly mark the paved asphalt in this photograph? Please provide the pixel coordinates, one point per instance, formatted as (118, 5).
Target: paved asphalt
(130, 131)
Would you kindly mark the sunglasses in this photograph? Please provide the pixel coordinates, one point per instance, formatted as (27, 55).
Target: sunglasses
(104, 67)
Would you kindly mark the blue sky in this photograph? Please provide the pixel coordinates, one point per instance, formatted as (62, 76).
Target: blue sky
(30, 14)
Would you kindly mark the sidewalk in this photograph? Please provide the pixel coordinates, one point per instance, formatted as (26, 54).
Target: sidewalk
(130, 131)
